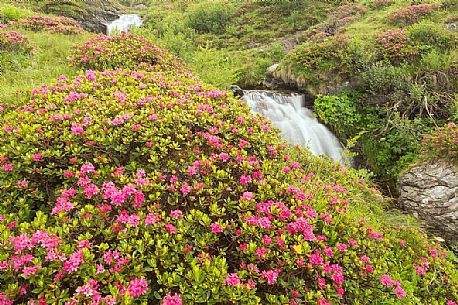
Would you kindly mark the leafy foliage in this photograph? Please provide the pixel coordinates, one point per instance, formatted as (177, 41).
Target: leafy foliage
(340, 112)
(209, 17)
(442, 142)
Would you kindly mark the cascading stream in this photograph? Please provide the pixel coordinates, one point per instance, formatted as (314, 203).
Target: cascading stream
(124, 23)
(296, 123)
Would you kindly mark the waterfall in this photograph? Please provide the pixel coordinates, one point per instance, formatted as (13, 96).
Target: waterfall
(296, 123)
(124, 23)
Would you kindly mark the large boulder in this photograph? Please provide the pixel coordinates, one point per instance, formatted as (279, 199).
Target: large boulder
(430, 191)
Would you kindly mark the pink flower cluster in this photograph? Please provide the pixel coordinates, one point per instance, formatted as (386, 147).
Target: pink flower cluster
(14, 42)
(410, 14)
(53, 24)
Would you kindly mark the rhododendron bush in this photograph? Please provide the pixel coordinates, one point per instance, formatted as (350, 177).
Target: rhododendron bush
(124, 50)
(443, 142)
(14, 42)
(53, 24)
(146, 187)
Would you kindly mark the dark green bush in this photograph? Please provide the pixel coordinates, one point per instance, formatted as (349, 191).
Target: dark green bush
(340, 112)
(427, 34)
(209, 17)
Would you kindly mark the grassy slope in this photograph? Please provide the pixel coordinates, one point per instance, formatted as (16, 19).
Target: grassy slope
(48, 60)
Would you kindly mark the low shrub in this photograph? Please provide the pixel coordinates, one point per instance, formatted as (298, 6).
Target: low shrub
(62, 25)
(122, 51)
(410, 14)
(340, 112)
(443, 142)
(123, 187)
(321, 54)
(426, 35)
(14, 42)
(10, 12)
(379, 4)
(395, 44)
(209, 17)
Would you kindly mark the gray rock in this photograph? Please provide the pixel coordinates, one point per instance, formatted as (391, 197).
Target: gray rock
(237, 91)
(429, 191)
(451, 26)
(140, 7)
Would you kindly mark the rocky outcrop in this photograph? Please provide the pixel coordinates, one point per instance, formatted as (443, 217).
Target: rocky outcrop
(430, 191)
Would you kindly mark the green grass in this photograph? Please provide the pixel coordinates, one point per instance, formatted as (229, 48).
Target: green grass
(48, 61)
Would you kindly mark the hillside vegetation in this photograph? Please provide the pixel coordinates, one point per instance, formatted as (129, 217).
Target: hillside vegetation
(384, 70)
(129, 180)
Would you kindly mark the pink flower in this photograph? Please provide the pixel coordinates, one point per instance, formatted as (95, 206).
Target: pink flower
(137, 287)
(216, 228)
(342, 247)
(245, 179)
(185, 188)
(171, 228)
(176, 214)
(400, 293)
(316, 258)
(37, 157)
(232, 279)
(420, 270)
(7, 167)
(224, 157)
(262, 252)
(77, 129)
(172, 300)
(365, 259)
(270, 275)
(386, 280)
(90, 190)
(30, 270)
(247, 196)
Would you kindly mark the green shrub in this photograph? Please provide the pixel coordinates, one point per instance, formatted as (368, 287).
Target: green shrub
(10, 12)
(209, 17)
(216, 66)
(427, 34)
(122, 51)
(442, 142)
(140, 187)
(395, 45)
(340, 112)
(383, 78)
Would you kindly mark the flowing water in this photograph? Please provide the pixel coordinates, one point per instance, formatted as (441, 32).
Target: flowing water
(296, 123)
(124, 23)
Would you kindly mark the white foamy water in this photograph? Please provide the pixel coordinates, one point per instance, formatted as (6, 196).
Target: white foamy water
(296, 123)
(124, 23)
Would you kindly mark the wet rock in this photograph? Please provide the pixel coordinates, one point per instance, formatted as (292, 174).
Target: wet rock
(237, 90)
